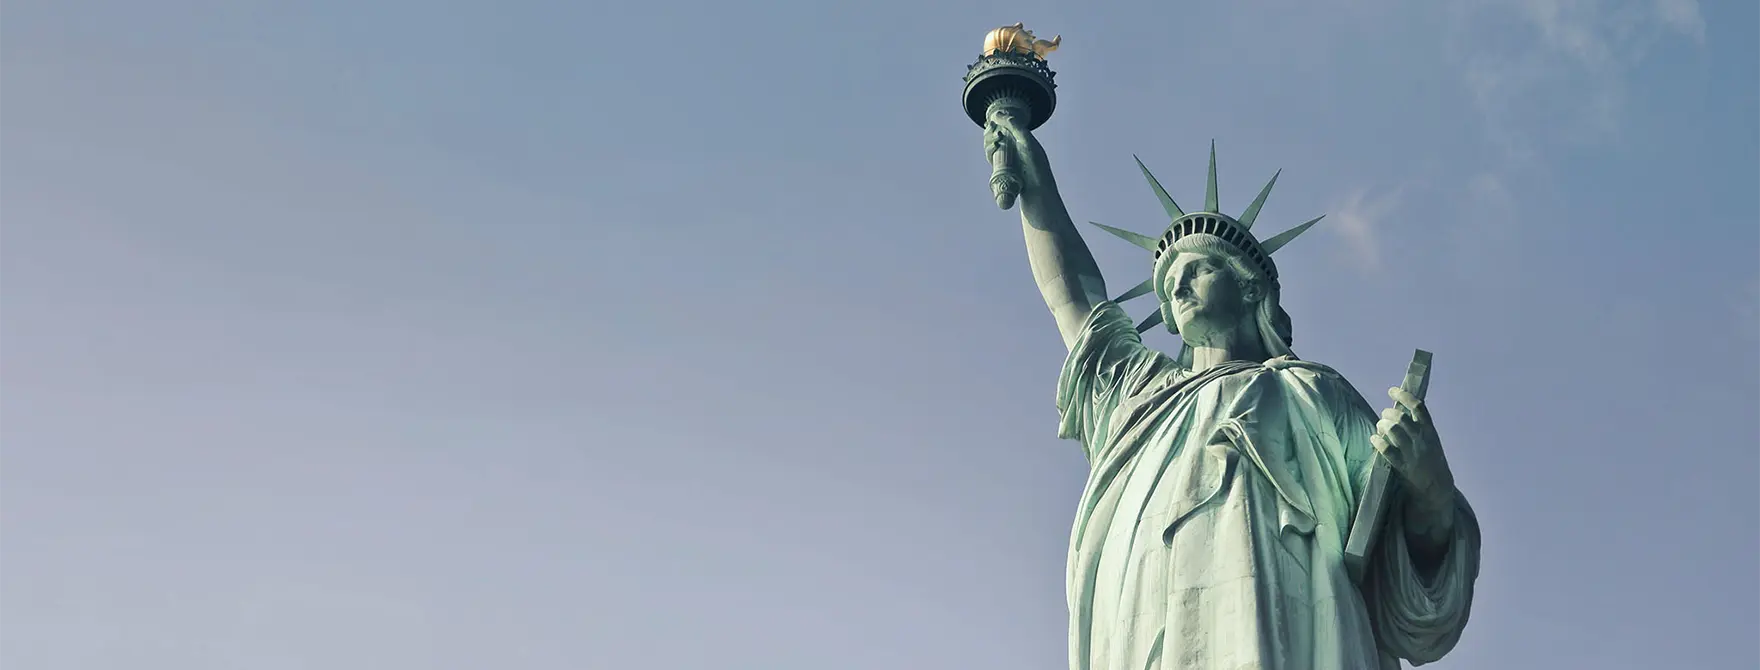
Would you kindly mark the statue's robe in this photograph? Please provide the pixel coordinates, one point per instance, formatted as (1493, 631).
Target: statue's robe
(1212, 528)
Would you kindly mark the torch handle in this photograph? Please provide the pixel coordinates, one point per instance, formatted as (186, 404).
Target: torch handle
(1005, 178)
(1005, 184)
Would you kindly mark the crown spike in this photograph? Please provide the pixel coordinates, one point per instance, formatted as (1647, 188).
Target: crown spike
(1210, 184)
(1151, 322)
(1252, 212)
(1136, 291)
(1272, 245)
(1167, 203)
(1138, 239)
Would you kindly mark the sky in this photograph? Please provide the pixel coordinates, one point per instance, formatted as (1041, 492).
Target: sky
(436, 335)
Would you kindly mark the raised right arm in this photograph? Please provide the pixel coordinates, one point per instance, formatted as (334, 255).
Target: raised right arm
(1064, 269)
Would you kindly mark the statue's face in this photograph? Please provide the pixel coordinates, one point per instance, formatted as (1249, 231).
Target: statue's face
(1207, 296)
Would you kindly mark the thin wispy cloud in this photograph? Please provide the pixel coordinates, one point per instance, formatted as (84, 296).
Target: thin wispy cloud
(1547, 77)
(1359, 217)
(1542, 71)
(1683, 16)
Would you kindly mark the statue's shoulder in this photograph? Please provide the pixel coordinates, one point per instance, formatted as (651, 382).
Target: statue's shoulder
(1316, 377)
(1299, 367)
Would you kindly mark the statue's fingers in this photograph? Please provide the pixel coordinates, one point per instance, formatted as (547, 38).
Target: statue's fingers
(993, 145)
(993, 135)
(1391, 414)
(1006, 119)
(1010, 132)
(1385, 448)
(1382, 426)
(1410, 403)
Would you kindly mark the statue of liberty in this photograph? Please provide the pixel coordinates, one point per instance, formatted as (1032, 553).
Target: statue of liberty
(1224, 480)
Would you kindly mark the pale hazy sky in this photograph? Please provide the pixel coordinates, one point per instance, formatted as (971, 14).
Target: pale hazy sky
(529, 335)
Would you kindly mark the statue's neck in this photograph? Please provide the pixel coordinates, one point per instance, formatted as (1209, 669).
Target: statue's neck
(1238, 344)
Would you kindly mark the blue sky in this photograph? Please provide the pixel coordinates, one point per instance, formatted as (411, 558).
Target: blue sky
(406, 335)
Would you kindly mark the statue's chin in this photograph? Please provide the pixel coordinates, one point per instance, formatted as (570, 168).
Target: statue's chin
(1188, 321)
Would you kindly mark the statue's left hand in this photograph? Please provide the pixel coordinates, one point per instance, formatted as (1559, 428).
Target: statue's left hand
(1407, 439)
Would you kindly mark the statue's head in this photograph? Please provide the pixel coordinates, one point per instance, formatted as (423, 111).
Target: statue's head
(1211, 274)
(1209, 288)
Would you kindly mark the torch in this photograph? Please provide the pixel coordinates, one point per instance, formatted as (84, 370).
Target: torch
(1011, 72)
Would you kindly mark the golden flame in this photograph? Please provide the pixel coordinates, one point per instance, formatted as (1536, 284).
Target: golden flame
(1017, 39)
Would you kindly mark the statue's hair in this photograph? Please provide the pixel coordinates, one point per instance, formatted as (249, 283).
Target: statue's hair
(1275, 329)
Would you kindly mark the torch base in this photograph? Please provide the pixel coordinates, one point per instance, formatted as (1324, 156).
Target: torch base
(1017, 75)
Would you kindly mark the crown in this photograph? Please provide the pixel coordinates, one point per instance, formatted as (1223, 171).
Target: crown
(1210, 221)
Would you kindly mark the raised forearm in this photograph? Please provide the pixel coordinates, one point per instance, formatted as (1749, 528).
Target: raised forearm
(1063, 267)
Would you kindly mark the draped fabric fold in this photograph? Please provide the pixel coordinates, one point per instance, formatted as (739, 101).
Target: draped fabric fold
(1419, 613)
